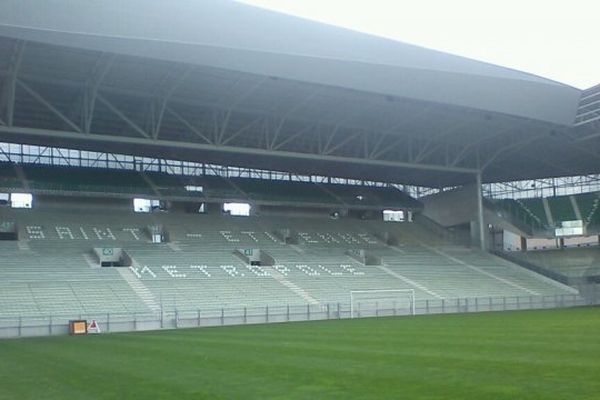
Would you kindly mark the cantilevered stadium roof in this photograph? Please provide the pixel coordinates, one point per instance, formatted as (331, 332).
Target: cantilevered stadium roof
(224, 82)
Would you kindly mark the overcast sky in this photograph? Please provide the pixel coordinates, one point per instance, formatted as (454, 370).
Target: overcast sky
(556, 39)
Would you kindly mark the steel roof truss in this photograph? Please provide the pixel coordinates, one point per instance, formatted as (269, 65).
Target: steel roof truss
(188, 125)
(237, 150)
(49, 106)
(8, 94)
(122, 116)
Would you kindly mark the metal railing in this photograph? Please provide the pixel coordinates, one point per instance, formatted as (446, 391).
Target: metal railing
(11, 327)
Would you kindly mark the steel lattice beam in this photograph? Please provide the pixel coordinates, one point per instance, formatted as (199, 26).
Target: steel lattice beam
(148, 141)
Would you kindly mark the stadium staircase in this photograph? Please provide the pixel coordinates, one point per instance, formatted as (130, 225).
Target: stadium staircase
(576, 209)
(131, 276)
(548, 212)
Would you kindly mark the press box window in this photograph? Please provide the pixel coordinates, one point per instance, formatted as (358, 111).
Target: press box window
(21, 200)
(238, 209)
(393, 216)
(145, 205)
(193, 188)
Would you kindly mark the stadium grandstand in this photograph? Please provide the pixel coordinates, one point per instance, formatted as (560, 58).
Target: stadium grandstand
(244, 166)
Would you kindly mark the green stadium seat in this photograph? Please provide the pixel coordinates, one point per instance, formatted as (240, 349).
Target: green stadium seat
(60, 178)
(589, 206)
(536, 209)
(8, 177)
(562, 209)
(520, 212)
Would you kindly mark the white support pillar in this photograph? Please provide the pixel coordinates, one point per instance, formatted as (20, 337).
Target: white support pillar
(480, 221)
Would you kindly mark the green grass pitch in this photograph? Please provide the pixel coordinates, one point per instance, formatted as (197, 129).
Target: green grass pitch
(550, 354)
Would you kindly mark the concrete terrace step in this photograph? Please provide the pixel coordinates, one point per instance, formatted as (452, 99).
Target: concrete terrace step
(140, 289)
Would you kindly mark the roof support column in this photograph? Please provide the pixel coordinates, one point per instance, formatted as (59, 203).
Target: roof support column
(8, 97)
(480, 221)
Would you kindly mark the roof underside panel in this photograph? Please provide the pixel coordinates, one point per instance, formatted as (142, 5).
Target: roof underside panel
(235, 118)
(241, 38)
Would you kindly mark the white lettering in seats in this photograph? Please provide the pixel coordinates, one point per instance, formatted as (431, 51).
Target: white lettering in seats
(63, 231)
(145, 270)
(307, 238)
(134, 232)
(367, 238)
(329, 271)
(282, 269)
(327, 238)
(201, 268)
(351, 269)
(229, 237)
(250, 234)
(85, 236)
(35, 232)
(102, 234)
(270, 236)
(258, 271)
(308, 270)
(172, 270)
(231, 270)
(348, 238)
(135, 271)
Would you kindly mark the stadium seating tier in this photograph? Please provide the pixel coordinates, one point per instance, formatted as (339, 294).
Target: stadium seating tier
(51, 270)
